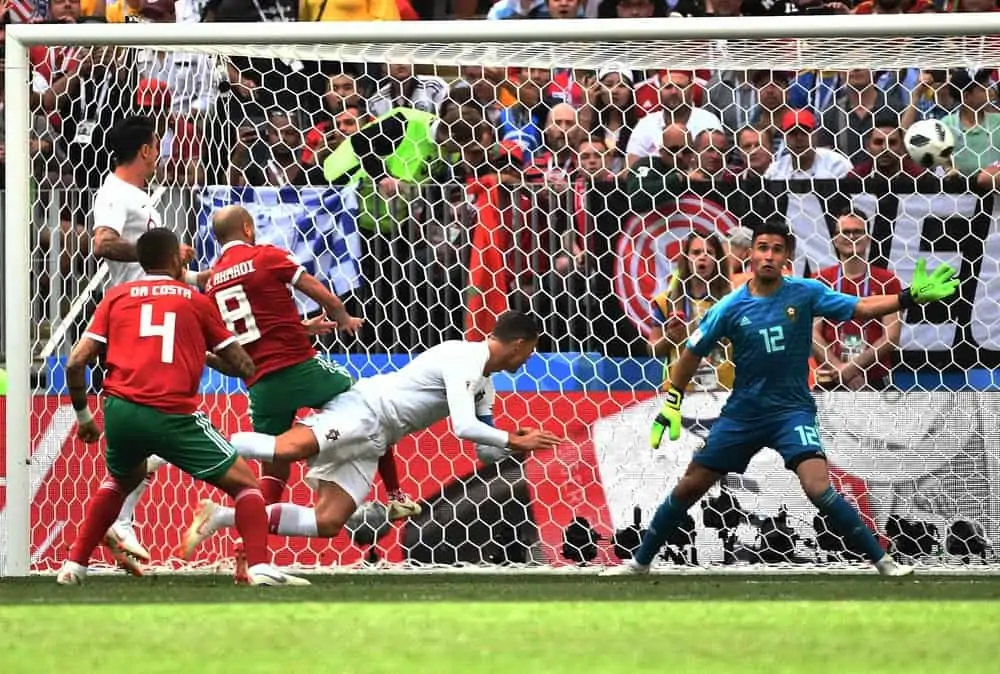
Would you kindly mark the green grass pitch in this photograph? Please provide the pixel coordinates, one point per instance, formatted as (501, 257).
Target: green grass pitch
(416, 624)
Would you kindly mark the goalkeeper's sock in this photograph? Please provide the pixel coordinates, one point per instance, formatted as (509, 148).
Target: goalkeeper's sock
(250, 515)
(287, 519)
(387, 469)
(273, 489)
(254, 445)
(667, 517)
(101, 513)
(846, 521)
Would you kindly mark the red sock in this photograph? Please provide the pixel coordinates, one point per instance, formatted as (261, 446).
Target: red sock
(272, 488)
(387, 469)
(101, 514)
(251, 522)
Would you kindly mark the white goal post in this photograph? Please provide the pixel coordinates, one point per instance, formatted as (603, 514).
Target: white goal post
(793, 43)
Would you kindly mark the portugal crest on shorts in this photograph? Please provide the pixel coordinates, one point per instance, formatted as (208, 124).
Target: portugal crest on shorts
(333, 435)
(791, 313)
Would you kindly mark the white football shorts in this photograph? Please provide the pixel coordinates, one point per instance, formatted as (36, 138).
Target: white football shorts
(351, 441)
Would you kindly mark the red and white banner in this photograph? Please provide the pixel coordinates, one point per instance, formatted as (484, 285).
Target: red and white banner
(933, 457)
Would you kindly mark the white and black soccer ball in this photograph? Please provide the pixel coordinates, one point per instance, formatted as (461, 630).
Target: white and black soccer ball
(930, 143)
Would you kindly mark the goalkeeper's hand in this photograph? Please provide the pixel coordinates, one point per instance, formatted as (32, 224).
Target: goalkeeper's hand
(668, 418)
(940, 285)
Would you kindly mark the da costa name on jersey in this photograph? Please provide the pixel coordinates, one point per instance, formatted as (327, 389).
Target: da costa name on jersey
(157, 291)
(234, 272)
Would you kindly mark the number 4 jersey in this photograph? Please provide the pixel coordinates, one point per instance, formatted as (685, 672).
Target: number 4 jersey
(156, 332)
(252, 287)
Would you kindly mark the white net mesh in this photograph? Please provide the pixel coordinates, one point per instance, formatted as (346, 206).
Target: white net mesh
(574, 185)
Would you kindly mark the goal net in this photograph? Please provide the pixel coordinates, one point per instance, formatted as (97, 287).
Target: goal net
(605, 177)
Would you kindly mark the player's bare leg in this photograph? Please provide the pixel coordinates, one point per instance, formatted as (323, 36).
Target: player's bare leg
(696, 482)
(120, 537)
(250, 519)
(399, 506)
(814, 477)
(101, 513)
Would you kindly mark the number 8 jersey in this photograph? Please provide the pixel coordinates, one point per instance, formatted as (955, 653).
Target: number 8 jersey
(156, 331)
(252, 287)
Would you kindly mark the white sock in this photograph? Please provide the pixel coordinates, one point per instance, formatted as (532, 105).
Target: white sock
(154, 463)
(254, 446)
(127, 512)
(293, 520)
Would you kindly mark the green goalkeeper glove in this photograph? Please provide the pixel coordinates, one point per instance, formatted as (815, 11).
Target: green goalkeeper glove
(940, 285)
(668, 418)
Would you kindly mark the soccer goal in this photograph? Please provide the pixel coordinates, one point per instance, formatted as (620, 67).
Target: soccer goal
(573, 196)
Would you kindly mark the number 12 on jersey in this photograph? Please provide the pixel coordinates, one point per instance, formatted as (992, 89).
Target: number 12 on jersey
(774, 338)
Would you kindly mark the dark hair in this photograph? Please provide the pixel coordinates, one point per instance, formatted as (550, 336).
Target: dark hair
(886, 120)
(156, 249)
(778, 227)
(514, 325)
(128, 136)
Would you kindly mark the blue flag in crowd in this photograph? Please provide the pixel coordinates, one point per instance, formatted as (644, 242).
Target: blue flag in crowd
(318, 225)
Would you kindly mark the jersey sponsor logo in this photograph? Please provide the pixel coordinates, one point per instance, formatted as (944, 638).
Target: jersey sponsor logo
(745, 321)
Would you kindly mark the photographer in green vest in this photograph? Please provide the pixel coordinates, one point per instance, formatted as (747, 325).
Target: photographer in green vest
(401, 147)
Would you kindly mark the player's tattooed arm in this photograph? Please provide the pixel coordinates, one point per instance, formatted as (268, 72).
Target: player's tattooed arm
(232, 361)
(110, 246)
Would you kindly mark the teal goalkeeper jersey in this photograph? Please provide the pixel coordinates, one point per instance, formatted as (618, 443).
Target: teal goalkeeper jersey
(772, 343)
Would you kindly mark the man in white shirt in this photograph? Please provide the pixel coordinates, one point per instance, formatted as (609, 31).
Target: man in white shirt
(342, 444)
(124, 211)
(676, 87)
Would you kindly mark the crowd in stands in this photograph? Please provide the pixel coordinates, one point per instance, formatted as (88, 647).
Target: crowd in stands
(545, 136)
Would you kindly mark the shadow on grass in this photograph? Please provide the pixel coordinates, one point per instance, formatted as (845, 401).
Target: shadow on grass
(178, 589)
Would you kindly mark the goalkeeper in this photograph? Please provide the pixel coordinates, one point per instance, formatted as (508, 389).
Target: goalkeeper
(769, 322)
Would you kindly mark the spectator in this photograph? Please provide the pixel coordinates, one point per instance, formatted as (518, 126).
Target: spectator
(666, 173)
(524, 121)
(555, 161)
(802, 158)
(272, 160)
(328, 133)
(975, 123)
(847, 123)
(542, 9)
(887, 155)
(930, 98)
(710, 150)
(700, 280)
(852, 354)
(349, 10)
(893, 7)
(676, 92)
(756, 98)
(180, 149)
(596, 161)
(740, 240)
(753, 151)
(610, 113)
(403, 89)
(630, 9)
(478, 88)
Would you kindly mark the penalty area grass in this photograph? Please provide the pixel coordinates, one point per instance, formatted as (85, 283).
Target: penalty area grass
(476, 623)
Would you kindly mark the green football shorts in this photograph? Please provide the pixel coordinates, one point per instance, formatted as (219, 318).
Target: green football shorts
(188, 441)
(277, 398)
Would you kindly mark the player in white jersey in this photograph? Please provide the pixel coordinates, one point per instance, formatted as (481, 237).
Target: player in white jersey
(124, 211)
(344, 441)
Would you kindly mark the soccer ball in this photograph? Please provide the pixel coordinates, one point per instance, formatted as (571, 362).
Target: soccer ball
(369, 523)
(930, 143)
